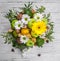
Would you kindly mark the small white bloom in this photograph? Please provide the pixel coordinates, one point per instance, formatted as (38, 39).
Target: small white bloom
(38, 16)
(25, 18)
(18, 25)
(24, 39)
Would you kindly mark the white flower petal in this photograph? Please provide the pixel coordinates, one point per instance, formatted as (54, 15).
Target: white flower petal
(38, 16)
(17, 25)
(24, 17)
(22, 39)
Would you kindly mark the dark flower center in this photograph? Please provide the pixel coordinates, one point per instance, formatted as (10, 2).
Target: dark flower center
(24, 38)
(26, 19)
(38, 17)
(19, 25)
(38, 27)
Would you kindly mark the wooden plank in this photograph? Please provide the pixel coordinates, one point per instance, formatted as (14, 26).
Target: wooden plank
(23, 1)
(50, 7)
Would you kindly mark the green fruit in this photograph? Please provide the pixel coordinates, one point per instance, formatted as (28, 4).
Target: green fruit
(15, 34)
(45, 20)
(31, 22)
(13, 23)
(28, 11)
(30, 43)
(33, 34)
(39, 41)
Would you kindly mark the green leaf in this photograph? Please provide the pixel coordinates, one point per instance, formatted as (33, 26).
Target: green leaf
(39, 41)
(20, 46)
(11, 15)
(27, 9)
(50, 32)
(41, 9)
(29, 5)
(47, 16)
(8, 37)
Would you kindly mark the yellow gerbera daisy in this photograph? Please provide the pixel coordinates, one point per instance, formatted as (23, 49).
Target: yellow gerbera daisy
(39, 27)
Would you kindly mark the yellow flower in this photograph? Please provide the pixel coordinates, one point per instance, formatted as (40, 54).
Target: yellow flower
(24, 31)
(39, 27)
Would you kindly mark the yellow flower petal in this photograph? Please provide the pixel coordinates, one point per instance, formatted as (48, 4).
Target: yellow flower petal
(39, 27)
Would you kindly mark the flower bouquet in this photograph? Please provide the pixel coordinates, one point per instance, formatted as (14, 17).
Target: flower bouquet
(29, 27)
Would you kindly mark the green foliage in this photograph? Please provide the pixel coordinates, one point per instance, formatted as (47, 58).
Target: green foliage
(50, 32)
(47, 16)
(27, 9)
(41, 9)
(52, 25)
(20, 46)
(39, 41)
(28, 6)
(8, 37)
(11, 15)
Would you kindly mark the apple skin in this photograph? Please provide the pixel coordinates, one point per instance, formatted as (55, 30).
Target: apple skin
(13, 23)
(31, 22)
(45, 20)
(15, 34)
(28, 12)
(33, 34)
(30, 43)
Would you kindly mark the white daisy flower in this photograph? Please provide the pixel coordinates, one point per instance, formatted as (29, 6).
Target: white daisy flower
(38, 16)
(23, 39)
(18, 25)
(25, 18)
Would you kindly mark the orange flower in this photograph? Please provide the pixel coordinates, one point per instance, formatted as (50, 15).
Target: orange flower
(24, 31)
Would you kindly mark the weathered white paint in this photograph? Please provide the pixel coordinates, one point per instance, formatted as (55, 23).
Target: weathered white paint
(49, 6)
(21, 1)
(50, 51)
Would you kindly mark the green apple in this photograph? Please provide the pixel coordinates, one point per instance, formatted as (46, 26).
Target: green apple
(13, 23)
(45, 20)
(28, 11)
(30, 43)
(33, 34)
(31, 22)
(15, 34)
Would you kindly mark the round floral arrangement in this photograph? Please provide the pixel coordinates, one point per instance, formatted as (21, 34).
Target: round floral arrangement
(29, 27)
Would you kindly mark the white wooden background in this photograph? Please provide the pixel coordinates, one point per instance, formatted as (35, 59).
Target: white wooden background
(50, 51)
